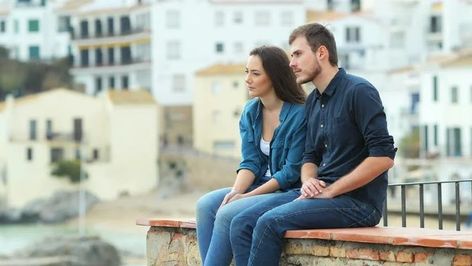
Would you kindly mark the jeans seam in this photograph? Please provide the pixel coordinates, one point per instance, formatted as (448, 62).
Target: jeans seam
(358, 223)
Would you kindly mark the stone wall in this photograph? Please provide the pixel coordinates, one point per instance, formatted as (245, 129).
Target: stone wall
(168, 246)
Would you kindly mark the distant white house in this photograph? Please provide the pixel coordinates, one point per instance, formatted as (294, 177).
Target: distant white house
(31, 30)
(190, 35)
(114, 134)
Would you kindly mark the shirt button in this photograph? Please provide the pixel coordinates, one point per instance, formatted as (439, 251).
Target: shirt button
(324, 164)
(321, 125)
(322, 106)
(326, 145)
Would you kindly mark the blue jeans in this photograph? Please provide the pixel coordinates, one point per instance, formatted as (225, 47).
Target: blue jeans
(260, 229)
(214, 224)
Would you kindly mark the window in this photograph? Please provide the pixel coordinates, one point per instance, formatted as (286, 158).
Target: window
(453, 144)
(32, 129)
(16, 26)
(262, 18)
(98, 28)
(425, 139)
(95, 154)
(435, 135)
(34, 52)
(29, 154)
(435, 24)
(125, 24)
(111, 56)
(57, 154)
(353, 34)
(415, 100)
(111, 26)
(125, 55)
(236, 84)
(63, 23)
(173, 50)
(454, 94)
(435, 88)
(173, 19)
(84, 58)
(355, 5)
(125, 82)
(178, 83)
(219, 47)
(238, 17)
(238, 47)
(111, 82)
(77, 129)
(33, 25)
(219, 18)
(286, 18)
(216, 88)
(98, 57)
(84, 33)
(49, 133)
(98, 85)
(3, 27)
(330, 5)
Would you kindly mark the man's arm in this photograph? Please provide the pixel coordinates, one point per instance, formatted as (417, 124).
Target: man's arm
(365, 172)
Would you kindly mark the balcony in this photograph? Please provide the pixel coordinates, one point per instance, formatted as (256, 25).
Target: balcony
(108, 35)
(128, 65)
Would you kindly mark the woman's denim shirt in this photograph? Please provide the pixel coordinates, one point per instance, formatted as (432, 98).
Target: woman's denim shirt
(286, 147)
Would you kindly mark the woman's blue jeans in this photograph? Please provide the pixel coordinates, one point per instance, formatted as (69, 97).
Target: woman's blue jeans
(257, 232)
(214, 224)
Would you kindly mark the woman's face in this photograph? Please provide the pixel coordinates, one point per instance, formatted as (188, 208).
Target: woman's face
(257, 81)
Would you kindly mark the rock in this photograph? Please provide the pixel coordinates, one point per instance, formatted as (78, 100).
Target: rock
(77, 250)
(62, 206)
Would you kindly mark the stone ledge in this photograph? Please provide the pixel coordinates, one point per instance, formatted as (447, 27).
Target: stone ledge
(398, 236)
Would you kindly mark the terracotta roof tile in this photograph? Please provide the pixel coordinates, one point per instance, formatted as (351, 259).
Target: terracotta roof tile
(126, 97)
(222, 69)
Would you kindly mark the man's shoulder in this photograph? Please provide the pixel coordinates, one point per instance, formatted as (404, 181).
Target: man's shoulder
(355, 83)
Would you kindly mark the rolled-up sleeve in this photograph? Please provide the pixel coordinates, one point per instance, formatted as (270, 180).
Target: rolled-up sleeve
(370, 118)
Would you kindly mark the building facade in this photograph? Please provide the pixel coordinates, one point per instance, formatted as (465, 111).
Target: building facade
(113, 135)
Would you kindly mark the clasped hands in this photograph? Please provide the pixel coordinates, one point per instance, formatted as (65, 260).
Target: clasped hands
(314, 188)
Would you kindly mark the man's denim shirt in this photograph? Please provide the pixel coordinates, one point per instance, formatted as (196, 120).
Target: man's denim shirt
(286, 147)
(345, 125)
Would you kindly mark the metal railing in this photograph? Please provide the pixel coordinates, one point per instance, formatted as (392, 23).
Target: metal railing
(421, 188)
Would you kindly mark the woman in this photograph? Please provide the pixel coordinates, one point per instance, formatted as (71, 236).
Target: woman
(272, 130)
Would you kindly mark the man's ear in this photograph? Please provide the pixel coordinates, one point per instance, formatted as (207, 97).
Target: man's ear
(323, 53)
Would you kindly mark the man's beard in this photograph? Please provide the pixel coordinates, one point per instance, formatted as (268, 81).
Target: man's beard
(315, 73)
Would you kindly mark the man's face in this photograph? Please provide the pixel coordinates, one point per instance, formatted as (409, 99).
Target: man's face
(304, 62)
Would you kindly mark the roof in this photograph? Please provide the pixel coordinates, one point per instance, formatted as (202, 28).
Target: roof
(33, 97)
(327, 16)
(73, 5)
(222, 69)
(126, 97)
(462, 58)
(404, 69)
(2, 106)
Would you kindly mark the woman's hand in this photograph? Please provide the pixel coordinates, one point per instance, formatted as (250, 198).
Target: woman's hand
(228, 198)
(238, 196)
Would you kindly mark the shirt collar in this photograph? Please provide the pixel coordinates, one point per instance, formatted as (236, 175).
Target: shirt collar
(331, 89)
(286, 106)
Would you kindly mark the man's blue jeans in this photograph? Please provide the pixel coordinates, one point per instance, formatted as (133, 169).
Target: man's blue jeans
(214, 224)
(257, 232)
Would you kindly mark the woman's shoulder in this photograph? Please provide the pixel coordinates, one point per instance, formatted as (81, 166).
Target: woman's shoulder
(251, 105)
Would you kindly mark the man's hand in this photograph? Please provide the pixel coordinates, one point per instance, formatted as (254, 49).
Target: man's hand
(314, 188)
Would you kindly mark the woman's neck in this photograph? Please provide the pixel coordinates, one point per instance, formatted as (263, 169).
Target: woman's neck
(271, 102)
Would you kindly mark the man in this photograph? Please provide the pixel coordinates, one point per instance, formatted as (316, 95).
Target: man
(347, 154)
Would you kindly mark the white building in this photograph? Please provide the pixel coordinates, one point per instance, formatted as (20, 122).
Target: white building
(111, 44)
(190, 35)
(31, 30)
(114, 134)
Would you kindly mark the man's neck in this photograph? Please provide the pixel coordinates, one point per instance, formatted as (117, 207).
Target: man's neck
(324, 78)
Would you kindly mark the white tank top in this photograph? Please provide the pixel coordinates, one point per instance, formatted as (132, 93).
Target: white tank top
(265, 148)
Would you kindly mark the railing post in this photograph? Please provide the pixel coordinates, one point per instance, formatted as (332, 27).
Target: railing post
(385, 212)
(458, 207)
(421, 206)
(440, 218)
(403, 205)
